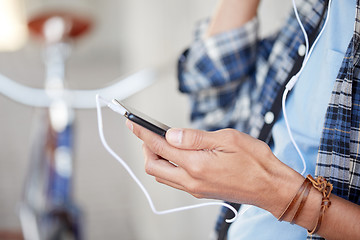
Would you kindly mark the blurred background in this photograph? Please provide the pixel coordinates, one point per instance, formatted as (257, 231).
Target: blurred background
(127, 36)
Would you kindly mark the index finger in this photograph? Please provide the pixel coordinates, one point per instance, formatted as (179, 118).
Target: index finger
(159, 145)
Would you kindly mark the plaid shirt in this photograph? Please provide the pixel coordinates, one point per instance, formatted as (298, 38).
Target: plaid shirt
(233, 79)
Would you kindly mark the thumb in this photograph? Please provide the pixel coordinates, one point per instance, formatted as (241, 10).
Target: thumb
(191, 138)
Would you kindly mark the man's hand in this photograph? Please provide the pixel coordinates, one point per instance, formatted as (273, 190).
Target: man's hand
(232, 166)
(226, 164)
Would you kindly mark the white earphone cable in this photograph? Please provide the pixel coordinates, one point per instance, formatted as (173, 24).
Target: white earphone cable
(133, 176)
(302, 29)
(294, 79)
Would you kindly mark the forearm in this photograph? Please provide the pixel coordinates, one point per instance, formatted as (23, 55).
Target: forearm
(231, 14)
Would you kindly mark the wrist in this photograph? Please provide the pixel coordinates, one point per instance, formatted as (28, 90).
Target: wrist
(310, 212)
(302, 207)
(283, 185)
(232, 14)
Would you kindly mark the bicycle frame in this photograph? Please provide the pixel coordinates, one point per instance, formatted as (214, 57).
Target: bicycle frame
(48, 210)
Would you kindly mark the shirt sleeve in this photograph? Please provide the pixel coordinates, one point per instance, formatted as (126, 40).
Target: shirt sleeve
(218, 60)
(214, 71)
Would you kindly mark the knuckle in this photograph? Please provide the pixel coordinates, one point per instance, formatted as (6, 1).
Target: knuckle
(198, 196)
(231, 135)
(197, 170)
(159, 180)
(260, 148)
(265, 150)
(149, 169)
(157, 146)
(194, 188)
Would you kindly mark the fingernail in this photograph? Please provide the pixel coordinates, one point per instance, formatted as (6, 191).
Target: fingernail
(129, 125)
(174, 135)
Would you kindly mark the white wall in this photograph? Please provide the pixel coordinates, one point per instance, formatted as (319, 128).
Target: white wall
(128, 35)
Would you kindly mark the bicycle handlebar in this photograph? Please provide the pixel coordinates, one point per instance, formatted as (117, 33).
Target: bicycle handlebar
(78, 99)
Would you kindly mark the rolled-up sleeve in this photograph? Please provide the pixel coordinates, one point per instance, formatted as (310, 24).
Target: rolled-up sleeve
(218, 74)
(218, 60)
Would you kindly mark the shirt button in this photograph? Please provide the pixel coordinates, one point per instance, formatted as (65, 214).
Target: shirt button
(302, 50)
(269, 117)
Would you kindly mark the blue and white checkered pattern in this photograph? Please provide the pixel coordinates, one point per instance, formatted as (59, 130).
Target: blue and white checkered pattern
(233, 79)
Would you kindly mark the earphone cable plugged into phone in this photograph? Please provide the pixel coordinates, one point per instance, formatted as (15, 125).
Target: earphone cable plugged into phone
(288, 88)
(117, 109)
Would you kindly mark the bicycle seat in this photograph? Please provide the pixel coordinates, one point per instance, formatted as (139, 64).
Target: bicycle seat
(73, 25)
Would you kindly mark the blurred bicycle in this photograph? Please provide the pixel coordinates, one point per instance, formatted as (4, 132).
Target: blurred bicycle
(48, 210)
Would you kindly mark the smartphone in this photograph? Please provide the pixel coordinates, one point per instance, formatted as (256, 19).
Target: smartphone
(143, 120)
